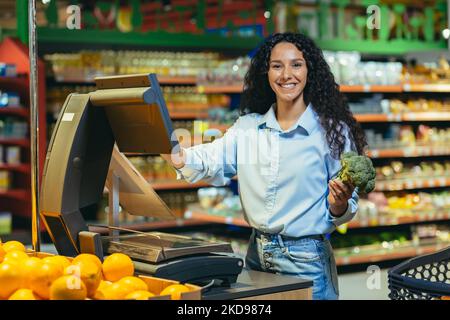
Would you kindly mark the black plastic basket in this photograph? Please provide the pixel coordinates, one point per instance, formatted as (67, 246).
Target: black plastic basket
(421, 278)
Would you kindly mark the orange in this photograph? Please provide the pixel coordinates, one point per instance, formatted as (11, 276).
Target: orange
(139, 295)
(99, 295)
(23, 294)
(117, 266)
(88, 272)
(134, 283)
(68, 288)
(13, 245)
(116, 291)
(29, 267)
(87, 256)
(2, 253)
(43, 277)
(174, 291)
(11, 278)
(60, 260)
(15, 255)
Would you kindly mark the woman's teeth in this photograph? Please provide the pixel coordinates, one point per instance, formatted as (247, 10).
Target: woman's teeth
(288, 86)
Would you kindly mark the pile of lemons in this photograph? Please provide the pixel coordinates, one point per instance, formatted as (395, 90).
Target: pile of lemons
(27, 277)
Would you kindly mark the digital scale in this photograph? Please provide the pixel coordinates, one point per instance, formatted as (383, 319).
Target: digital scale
(126, 114)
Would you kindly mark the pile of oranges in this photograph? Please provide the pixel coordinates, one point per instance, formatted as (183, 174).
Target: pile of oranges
(27, 277)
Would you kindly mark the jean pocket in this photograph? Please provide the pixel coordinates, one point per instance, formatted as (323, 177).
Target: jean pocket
(304, 253)
(333, 271)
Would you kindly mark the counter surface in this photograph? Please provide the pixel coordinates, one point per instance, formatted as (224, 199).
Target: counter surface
(252, 283)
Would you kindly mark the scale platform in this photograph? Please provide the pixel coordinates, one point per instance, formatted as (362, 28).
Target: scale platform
(177, 257)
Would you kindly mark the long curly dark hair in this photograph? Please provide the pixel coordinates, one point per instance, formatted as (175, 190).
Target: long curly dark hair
(321, 91)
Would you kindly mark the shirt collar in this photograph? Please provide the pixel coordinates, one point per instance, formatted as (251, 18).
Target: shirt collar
(308, 120)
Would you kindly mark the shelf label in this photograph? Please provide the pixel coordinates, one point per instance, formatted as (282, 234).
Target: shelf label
(201, 89)
(188, 214)
(442, 182)
(366, 88)
(409, 184)
(407, 87)
(229, 220)
(374, 153)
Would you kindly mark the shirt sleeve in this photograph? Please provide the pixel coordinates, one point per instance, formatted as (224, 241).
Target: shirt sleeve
(214, 162)
(333, 167)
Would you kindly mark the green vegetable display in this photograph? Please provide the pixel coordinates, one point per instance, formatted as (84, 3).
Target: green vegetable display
(358, 171)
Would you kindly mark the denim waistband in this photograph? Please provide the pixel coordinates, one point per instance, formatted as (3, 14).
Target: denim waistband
(259, 234)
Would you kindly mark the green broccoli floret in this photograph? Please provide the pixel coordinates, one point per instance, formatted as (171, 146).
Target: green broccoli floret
(358, 171)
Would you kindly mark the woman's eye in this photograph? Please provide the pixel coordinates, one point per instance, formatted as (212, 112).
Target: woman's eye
(276, 66)
(297, 65)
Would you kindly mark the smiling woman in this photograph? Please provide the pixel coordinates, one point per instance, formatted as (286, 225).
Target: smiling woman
(295, 124)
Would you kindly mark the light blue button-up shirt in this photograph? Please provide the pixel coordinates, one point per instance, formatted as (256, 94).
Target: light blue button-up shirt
(282, 174)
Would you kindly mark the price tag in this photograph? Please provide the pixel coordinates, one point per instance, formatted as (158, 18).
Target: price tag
(409, 184)
(188, 214)
(201, 89)
(364, 223)
(229, 220)
(411, 116)
(345, 260)
(419, 184)
(366, 88)
(442, 182)
(419, 251)
(374, 153)
(408, 152)
(382, 221)
(431, 183)
(407, 87)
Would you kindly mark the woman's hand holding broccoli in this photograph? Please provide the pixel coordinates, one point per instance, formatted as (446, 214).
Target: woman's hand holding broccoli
(338, 196)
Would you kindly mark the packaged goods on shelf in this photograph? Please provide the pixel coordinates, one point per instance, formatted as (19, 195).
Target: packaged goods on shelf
(378, 105)
(5, 223)
(430, 72)
(229, 72)
(9, 99)
(12, 155)
(13, 128)
(401, 136)
(86, 65)
(348, 69)
(187, 98)
(7, 70)
(5, 180)
(2, 155)
(399, 170)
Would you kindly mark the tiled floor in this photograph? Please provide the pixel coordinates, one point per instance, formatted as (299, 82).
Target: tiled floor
(355, 286)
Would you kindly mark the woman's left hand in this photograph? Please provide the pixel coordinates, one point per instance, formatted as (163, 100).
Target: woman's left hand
(338, 196)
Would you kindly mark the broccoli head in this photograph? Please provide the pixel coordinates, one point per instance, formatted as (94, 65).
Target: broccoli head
(358, 171)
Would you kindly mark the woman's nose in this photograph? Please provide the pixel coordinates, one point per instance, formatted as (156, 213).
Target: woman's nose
(287, 74)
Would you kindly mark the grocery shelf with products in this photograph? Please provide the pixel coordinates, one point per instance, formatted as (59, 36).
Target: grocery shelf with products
(15, 166)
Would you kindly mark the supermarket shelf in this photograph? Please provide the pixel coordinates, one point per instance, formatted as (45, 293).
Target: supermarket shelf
(220, 89)
(148, 226)
(191, 80)
(201, 216)
(417, 87)
(19, 194)
(174, 185)
(14, 111)
(413, 116)
(384, 255)
(346, 88)
(422, 151)
(371, 88)
(410, 184)
(18, 80)
(18, 142)
(179, 115)
(26, 168)
(393, 221)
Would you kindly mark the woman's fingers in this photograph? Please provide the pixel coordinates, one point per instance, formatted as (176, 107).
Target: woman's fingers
(343, 189)
(335, 192)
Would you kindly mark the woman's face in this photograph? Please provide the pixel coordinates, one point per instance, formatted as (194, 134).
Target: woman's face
(287, 71)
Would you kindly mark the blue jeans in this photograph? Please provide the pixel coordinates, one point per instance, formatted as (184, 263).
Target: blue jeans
(305, 258)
